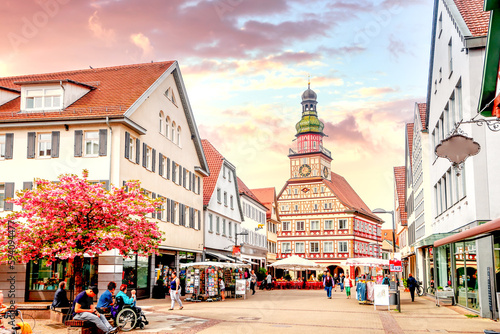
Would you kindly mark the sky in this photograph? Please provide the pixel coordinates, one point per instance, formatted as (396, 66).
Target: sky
(245, 64)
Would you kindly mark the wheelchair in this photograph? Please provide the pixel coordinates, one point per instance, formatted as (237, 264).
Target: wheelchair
(126, 317)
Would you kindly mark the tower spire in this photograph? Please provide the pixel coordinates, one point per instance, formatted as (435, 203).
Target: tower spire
(309, 81)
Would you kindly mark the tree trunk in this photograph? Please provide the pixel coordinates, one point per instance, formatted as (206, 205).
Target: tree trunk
(78, 273)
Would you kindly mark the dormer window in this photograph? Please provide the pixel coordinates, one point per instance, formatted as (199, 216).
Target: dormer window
(43, 99)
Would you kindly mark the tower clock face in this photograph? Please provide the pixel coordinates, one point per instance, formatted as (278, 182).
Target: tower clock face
(325, 172)
(305, 170)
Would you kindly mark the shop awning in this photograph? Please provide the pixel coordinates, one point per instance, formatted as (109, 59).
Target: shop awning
(221, 256)
(473, 233)
(365, 262)
(207, 264)
(429, 241)
(248, 260)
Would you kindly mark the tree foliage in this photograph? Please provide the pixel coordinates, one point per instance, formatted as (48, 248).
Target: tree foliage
(74, 216)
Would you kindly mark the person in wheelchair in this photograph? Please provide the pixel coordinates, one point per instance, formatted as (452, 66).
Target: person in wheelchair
(127, 315)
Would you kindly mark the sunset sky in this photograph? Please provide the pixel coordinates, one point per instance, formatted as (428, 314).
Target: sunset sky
(245, 64)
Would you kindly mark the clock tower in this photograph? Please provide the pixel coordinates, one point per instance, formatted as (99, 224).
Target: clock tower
(308, 157)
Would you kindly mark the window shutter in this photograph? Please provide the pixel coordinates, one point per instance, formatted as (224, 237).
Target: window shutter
(9, 193)
(172, 211)
(158, 211)
(183, 214)
(28, 185)
(9, 145)
(127, 148)
(199, 180)
(168, 210)
(31, 144)
(193, 183)
(103, 142)
(153, 195)
(199, 220)
(105, 184)
(189, 184)
(78, 143)
(179, 179)
(125, 185)
(153, 161)
(144, 147)
(160, 165)
(192, 217)
(184, 177)
(55, 144)
(168, 168)
(137, 151)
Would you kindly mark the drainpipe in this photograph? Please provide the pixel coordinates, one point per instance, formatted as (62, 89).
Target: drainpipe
(110, 148)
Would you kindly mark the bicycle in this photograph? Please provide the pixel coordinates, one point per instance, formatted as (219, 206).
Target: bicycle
(419, 289)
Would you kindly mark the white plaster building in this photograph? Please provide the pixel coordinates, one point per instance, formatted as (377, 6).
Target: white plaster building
(221, 204)
(121, 123)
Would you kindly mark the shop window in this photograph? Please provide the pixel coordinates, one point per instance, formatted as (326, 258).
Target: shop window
(136, 272)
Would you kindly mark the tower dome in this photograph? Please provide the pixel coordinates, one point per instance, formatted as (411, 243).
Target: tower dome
(310, 122)
(309, 94)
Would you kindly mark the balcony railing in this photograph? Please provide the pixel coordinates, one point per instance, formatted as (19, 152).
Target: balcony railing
(296, 149)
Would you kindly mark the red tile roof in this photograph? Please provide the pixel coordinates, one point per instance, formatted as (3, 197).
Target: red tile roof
(214, 160)
(266, 196)
(243, 189)
(409, 134)
(116, 89)
(422, 109)
(347, 195)
(400, 178)
(476, 19)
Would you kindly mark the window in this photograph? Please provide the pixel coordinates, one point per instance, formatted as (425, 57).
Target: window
(44, 145)
(458, 99)
(296, 191)
(314, 247)
(161, 116)
(285, 226)
(167, 128)
(342, 224)
(149, 156)
(223, 227)
(315, 190)
(43, 99)
(343, 247)
(218, 195)
(91, 143)
(230, 229)
(217, 225)
(299, 247)
(131, 149)
(286, 247)
(172, 137)
(2, 146)
(328, 247)
(300, 226)
(322, 189)
(231, 202)
(296, 207)
(225, 198)
(314, 225)
(450, 56)
(210, 223)
(179, 136)
(316, 207)
(2, 196)
(328, 224)
(440, 25)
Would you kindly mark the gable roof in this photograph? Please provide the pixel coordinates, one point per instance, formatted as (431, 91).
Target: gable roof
(422, 107)
(215, 161)
(400, 179)
(409, 139)
(348, 196)
(115, 91)
(476, 19)
(266, 196)
(244, 190)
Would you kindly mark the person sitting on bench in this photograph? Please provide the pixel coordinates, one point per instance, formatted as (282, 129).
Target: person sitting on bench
(60, 298)
(106, 300)
(84, 310)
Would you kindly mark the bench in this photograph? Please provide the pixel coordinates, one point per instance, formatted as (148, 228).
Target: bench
(445, 294)
(58, 314)
(82, 327)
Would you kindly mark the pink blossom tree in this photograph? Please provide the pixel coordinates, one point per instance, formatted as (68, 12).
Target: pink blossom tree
(73, 217)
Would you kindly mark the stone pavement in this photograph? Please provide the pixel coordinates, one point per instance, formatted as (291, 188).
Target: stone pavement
(302, 311)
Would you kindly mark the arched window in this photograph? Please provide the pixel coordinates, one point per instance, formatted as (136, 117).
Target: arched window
(173, 132)
(167, 128)
(161, 121)
(179, 136)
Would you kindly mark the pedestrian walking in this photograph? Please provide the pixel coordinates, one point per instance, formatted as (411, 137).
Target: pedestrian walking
(175, 292)
(253, 281)
(348, 285)
(328, 283)
(336, 282)
(342, 280)
(222, 287)
(412, 284)
(386, 280)
(269, 282)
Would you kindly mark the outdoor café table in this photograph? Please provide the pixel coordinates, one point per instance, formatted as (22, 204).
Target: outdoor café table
(281, 284)
(314, 285)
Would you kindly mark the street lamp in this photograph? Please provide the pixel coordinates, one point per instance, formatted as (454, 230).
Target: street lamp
(393, 227)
